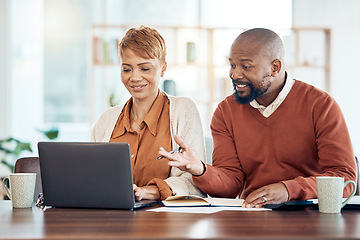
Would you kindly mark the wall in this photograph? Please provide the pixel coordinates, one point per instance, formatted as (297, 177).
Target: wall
(343, 17)
(21, 90)
(26, 69)
(4, 69)
(4, 77)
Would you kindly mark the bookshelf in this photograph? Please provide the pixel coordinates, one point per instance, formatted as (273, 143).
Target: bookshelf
(308, 52)
(198, 63)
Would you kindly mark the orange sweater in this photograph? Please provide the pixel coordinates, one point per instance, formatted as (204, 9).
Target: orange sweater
(305, 137)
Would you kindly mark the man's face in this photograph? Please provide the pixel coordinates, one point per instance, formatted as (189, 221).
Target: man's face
(250, 72)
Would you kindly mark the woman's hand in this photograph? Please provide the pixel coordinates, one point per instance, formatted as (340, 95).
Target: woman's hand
(186, 160)
(147, 192)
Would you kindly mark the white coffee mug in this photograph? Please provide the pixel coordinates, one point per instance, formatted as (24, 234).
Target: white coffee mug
(22, 188)
(330, 193)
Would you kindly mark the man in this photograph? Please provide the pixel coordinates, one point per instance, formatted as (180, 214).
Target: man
(274, 135)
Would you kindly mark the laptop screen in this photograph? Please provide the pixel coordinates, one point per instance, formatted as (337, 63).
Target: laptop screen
(86, 175)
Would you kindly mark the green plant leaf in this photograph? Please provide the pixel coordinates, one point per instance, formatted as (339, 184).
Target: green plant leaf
(113, 101)
(50, 134)
(5, 150)
(10, 166)
(14, 147)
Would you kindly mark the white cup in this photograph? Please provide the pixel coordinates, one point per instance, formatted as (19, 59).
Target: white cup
(22, 188)
(330, 193)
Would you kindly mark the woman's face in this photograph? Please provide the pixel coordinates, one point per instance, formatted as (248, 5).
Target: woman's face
(141, 76)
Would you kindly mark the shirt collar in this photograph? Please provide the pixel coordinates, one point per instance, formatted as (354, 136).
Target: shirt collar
(150, 120)
(282, 94)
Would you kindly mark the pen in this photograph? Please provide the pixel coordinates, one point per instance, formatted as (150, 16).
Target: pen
(171, 152)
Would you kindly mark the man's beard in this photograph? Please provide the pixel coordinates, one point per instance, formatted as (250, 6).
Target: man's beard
(254, 93)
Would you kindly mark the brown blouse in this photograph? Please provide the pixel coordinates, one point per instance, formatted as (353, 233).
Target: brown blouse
(144, 145)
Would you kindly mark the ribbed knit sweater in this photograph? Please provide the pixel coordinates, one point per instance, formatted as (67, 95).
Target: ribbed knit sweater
(305, 137)
(184, 121)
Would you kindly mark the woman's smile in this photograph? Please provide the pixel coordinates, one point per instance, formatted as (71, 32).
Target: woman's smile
(138, 88)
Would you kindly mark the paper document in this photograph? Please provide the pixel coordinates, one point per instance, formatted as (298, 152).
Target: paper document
(204, 210)
(191, 201)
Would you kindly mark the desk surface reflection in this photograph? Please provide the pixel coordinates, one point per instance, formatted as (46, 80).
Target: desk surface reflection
(64, 223)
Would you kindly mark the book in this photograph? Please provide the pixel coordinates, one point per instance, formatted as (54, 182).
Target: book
(196, 201)
(97, 50)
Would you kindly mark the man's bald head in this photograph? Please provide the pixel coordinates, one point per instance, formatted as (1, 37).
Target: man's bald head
(256, 66)
(265, 41)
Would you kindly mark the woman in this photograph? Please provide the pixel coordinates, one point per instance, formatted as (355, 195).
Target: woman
(150, 119)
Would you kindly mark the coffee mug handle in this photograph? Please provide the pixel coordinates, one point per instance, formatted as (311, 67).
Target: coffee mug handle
(351, 195)
(5, 186)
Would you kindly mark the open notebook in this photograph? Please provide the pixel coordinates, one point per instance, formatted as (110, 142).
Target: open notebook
(196, 201)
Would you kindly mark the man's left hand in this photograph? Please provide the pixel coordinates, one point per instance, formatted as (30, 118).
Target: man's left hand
(270, 194)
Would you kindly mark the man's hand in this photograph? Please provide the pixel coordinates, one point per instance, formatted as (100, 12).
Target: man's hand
(186, 160)
(147, 192)
(270, 194)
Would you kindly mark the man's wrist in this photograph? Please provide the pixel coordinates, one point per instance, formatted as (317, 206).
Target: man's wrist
(203, 170)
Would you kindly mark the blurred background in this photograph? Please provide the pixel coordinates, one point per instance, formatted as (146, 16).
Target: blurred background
(59, 69)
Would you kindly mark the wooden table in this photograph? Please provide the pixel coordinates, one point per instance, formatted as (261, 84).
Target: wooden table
(141, 224)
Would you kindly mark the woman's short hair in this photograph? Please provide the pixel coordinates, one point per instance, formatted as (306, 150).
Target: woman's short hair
(145, 42)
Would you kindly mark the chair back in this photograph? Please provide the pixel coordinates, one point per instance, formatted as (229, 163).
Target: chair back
(30, 165)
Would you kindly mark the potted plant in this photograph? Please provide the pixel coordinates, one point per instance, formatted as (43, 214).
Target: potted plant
(11, 148)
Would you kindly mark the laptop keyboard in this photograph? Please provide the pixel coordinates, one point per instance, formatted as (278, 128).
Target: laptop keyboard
(143, 203)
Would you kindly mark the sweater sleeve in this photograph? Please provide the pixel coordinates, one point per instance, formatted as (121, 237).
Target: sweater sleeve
(334, 149)
(162, 186)
(226, 172)
(185, 122)
(102, 129)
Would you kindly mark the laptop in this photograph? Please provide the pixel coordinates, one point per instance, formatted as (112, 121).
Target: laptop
(87, 175)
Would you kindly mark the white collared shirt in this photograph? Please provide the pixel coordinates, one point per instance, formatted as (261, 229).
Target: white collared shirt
(267, 111)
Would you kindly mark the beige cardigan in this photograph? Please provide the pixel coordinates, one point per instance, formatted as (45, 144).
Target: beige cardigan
(184, 121)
